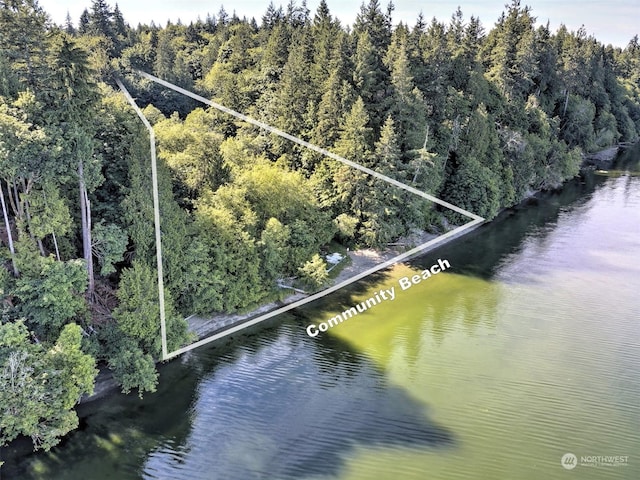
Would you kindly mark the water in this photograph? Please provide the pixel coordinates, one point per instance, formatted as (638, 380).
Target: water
(528, 348)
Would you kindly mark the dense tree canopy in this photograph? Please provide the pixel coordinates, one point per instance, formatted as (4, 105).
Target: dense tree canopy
(479, 116)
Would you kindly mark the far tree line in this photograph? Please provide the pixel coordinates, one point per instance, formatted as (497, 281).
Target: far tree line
(481, 117)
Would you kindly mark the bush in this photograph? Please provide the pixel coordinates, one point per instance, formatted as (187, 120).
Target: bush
(314, 272)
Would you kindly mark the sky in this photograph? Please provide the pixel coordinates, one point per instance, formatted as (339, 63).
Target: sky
(611, 22)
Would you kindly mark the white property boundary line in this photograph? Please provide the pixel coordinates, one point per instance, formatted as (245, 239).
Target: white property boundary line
(156, 214)
(476, 220)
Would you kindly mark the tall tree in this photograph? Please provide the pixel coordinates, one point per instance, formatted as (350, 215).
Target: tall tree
(354, 144)
(370, 19)
(372, 32)
(68, 25)
(289, 105)
(119, 25)
(138, 311)
(384, 206)
(101, 18)
(510, 51)
(408, 107)
(371, 79)
(325, 32)
(23, 27)
(73, 96)
(84, 22)
(272, 17)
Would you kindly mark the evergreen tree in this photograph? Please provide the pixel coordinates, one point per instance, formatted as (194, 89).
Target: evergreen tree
(289, 104)
(272, 17)
(68, 25)
(510, 50)
(138, 311)
(370, 77)
(101, 19)
(274, 57)
(325, 34)
(386, 211)
(547, 85)
(354, 144)
(23, 27)
(74, 96)
(84, 22)
(372, 31)
(434, 81)
(327, 127)
(297, 16)
(370, 19)
(408, 108)
(473, 178)
(119, 25)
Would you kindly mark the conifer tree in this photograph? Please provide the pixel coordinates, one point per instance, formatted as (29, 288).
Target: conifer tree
(272, 17)
(325, 32)
(370, 78)
(353, 144)
(23, 27)
(372, 31)
(326, 129)
(101, 19)
(68, 25)
(73, 96)
(119, 25)
(408, 107)
(84, 22)
(513, 63)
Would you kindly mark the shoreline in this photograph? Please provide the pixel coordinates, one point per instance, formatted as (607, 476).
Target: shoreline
(604, 158)
(361, 261)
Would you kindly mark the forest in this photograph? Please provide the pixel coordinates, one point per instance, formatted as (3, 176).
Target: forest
(480, 115)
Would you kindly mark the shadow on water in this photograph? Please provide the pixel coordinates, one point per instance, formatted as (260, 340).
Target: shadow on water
(293, 407)
(270, 404)
(628, 160)
(274, 403)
